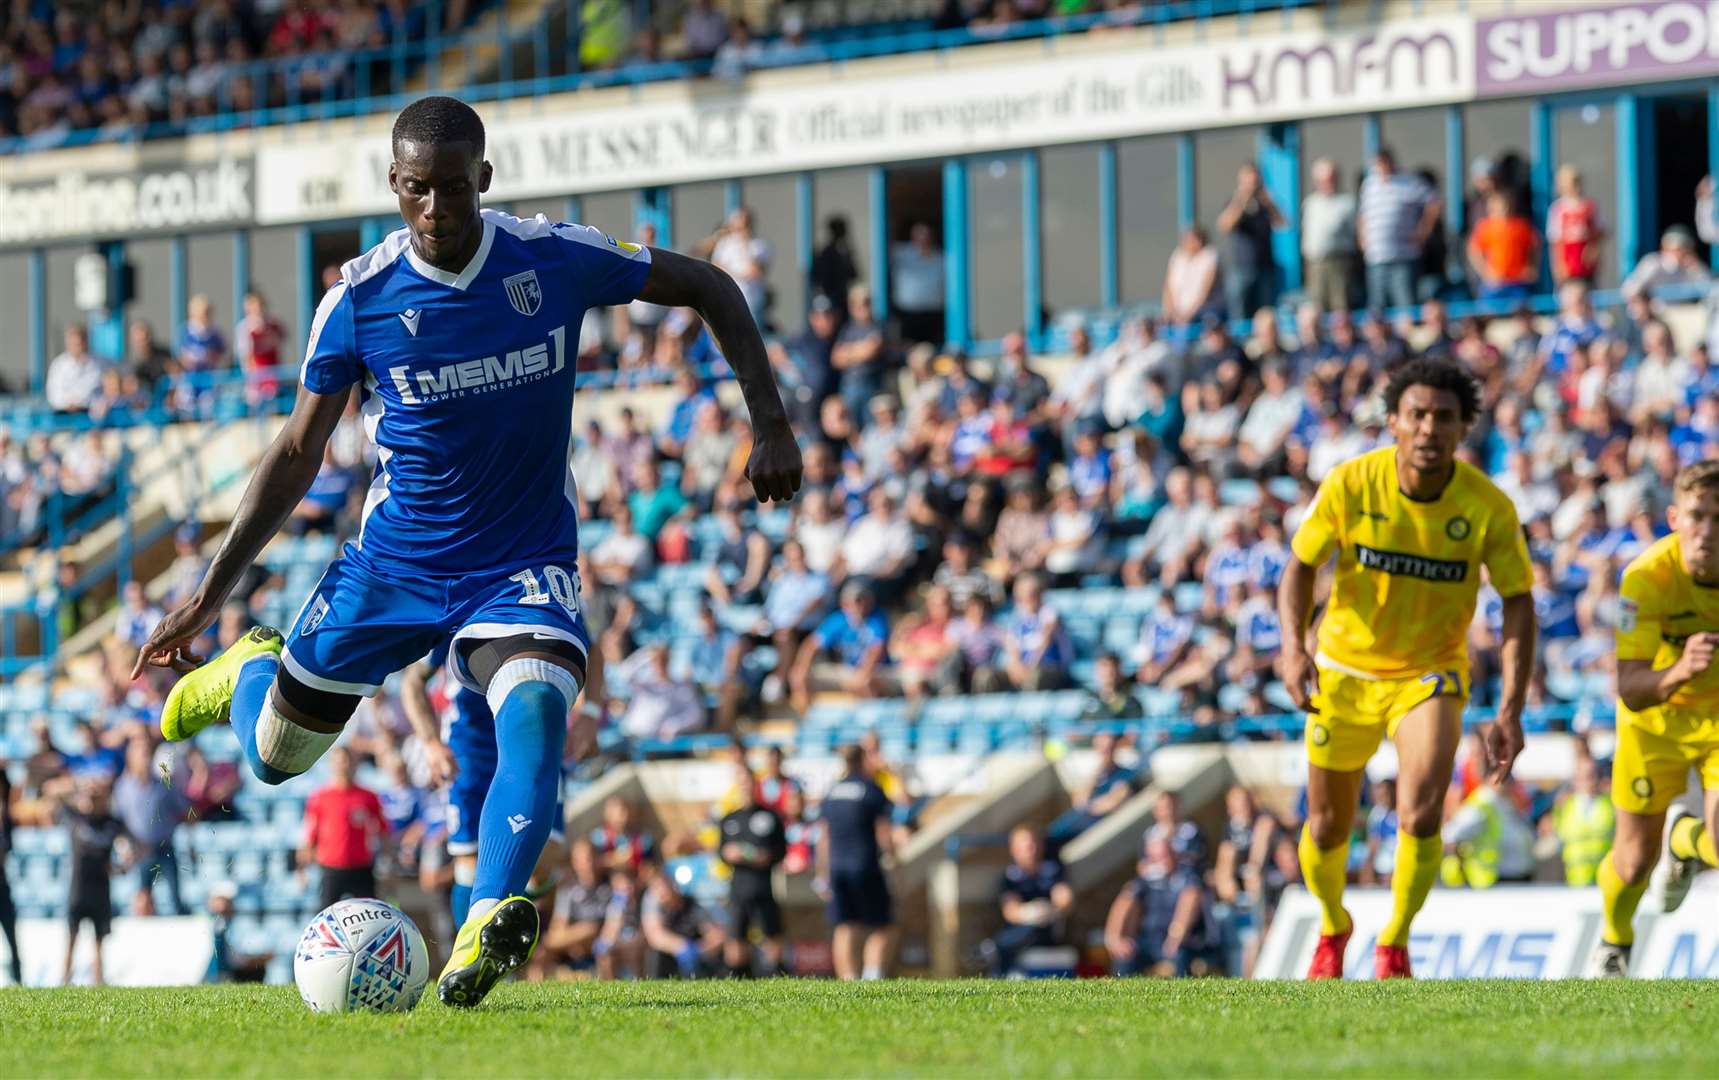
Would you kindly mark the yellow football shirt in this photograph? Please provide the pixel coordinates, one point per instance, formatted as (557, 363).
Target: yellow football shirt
(1659, 607)
(1408, 571)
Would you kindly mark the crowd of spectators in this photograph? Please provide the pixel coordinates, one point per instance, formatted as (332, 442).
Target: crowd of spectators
(120, 66)
(124, 68)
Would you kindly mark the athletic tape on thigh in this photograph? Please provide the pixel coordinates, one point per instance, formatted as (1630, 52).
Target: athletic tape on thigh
(283, 745)
(524, 669)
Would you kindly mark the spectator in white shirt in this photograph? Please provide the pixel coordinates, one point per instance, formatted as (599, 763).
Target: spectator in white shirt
(1129, 362)
(1328, 239)
(137, 616)
(1336, 443)
(1661, 379)
(916, 286)
(819, 530)
(1174, 535)
(879, 546)
(74, 378)
(658, 706)
(1533, 497)
(1209, 436)
(1072, 549)
(703, 30)
(1270, 419)
(1079, 395)
(623, 556)
(1675, 263)
(746, 257)
(1190, 279)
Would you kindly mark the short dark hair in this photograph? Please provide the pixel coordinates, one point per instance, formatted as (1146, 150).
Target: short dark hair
(1701, 477)
(1438, 374)
(438, 119)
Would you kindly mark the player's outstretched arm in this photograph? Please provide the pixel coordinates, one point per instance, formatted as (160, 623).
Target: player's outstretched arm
(283, 476)
(1503, 737)
(677, 281)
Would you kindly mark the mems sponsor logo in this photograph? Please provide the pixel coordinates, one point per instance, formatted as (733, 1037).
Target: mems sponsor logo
(516, 368)
(1415, 566)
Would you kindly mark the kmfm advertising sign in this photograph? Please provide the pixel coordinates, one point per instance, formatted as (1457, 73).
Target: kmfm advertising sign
(566, 146)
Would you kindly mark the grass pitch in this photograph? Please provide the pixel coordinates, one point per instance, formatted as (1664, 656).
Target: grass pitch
(902, 1028)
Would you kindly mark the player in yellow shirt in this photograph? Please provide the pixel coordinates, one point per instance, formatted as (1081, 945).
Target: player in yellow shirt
(1411, 527)
(1668, 716)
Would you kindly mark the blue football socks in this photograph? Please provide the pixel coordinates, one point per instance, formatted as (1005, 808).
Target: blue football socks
(519, 810)
(250, 692)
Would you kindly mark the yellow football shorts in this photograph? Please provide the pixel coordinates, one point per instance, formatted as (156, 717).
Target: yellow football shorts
(1352, 714)
(1650, 770)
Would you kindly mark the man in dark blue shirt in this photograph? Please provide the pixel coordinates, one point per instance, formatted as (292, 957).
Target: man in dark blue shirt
(856, 815)
(1035, 901)
(1157, 924)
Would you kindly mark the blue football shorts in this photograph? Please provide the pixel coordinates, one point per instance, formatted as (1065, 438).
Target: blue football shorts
(358, 627)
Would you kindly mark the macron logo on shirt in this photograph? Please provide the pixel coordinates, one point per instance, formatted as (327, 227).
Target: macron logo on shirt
(519, 366)
(410, 318)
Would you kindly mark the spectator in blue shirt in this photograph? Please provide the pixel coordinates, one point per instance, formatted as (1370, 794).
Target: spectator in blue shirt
(1035, 902)
(1697, 438)
(1089, 472)
(793, 607)
(1226, 569)
(1575, 326)
(93, 759)
(857, 637)
(320, 510)
(1111, 785)
(1036, 650)
(713, 666)
(1157, 924)
(137, 616)
(1268, 555)
(1164, 639)
(1381, 852)
(693, 397)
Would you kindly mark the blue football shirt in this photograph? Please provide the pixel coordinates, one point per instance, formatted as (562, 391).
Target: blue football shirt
(467, 390)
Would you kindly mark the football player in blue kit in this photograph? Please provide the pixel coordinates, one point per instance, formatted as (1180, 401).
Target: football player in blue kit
(459, 332)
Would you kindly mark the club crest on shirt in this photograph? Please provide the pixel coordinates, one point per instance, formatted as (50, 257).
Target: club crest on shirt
(313, 618)
(523, 292)
(1457, 528)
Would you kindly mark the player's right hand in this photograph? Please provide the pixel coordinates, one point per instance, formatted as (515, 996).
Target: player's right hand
(169, 644)
(1698, 652)
(1299, 676)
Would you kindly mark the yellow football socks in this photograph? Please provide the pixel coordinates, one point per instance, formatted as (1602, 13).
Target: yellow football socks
(1620, 899)
(1417, 867)
(1691, 840)
(1324, 873)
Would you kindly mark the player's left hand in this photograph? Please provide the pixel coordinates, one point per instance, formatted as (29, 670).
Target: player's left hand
(774, 467)
(1502, 741)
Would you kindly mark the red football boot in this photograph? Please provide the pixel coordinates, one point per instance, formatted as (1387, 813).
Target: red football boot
(1328, 955)
(1391, 962)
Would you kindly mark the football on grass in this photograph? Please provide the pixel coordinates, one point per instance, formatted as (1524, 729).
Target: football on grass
(361, 956)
